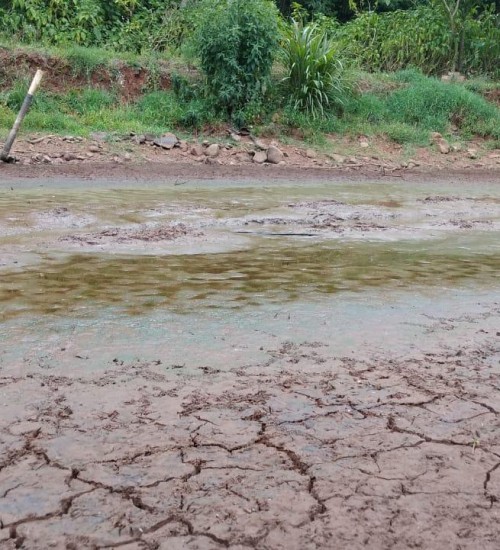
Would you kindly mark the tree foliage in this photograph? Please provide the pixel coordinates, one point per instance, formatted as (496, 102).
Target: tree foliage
(236, 41)
(434, 35)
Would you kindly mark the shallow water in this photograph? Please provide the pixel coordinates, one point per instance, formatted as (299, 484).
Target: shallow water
(245, 245)
(355, 265)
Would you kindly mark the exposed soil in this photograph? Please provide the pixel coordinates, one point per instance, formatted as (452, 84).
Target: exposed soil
(60, 76)
(304, 450)
(120, 235)
(48, 156)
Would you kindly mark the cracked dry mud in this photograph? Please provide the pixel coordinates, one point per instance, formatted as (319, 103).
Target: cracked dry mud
(304, 451)
(363, 420)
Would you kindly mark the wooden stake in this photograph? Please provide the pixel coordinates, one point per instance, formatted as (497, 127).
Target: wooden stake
(28, 100)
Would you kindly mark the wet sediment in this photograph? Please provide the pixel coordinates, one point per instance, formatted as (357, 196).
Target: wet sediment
(206, 388)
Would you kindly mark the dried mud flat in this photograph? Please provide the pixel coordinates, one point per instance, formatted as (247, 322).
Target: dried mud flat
(305, 450)
(295, 426)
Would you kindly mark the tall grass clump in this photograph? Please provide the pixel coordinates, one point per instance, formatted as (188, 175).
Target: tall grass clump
(314, 79)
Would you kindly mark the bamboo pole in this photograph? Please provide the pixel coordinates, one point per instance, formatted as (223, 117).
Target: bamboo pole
(28, 100)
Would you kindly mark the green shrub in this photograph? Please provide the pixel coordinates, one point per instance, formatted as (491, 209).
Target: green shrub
(421, 38)
(236, 41)
(58, 21)
(394, 41)
(482, 44)
(314, 79)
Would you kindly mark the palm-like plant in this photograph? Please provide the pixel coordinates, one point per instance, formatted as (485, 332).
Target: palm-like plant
(314, 72)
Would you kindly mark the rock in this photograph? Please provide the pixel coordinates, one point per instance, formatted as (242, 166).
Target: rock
(94, 149)
(472, 153)
(260, 157)
(197, 150)
(274, 155)
(364, 144)
(235, 137)
(69, 138)
(99, 136)
(244, 157)
(211, 160)
(140, 139)
(70, 156)
(127, 156)
(166, 141)
(443, 146)
(212, 150)
(46, 159)
(183, 146)
(456, 147)
(260, 145)
(311, 154)
(58, 161)
(453, 77)
(339, 159)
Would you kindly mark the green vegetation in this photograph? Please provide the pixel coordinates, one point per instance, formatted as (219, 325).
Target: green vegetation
(421, 38)
(327, 66)
(236, 41)
(314, 74)
(404, 106)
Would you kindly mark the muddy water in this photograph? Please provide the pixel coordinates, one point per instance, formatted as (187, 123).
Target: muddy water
(93, 263)
(63, 250)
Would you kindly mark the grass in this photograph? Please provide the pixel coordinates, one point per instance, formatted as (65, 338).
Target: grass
(84, 111)
(404, 107)
(86, 61)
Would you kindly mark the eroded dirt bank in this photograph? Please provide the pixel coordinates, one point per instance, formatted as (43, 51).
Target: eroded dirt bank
(248, 366)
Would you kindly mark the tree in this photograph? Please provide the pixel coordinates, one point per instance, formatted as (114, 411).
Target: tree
(457, 13)
(236, 41)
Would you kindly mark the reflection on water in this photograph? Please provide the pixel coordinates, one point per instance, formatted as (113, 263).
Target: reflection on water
(272, 272)
(417, 252)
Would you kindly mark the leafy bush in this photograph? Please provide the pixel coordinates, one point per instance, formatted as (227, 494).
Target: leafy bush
(236, 41)
(126, 25)
(393, 41)
(314, 73)
(420, 38)
(482, 44)
(72, 21)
